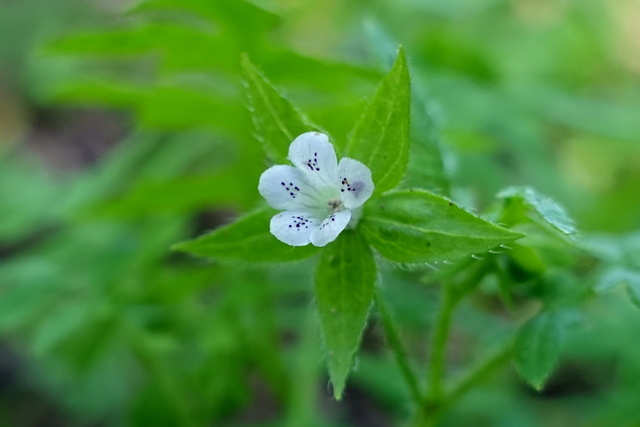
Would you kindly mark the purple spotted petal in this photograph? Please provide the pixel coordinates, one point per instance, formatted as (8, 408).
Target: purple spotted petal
(293, 227)
(356, 185)
(330, 227)
(313, 154)
(285, 187)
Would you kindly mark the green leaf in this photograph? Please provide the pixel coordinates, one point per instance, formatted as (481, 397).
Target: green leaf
(185, 108)
(247, 239)
(380, 139)
(617, 275)
(633, 290)
(276, 121)
(418, 226)
(243, 16)
(537, 347)
(344, 286)
(524, 202)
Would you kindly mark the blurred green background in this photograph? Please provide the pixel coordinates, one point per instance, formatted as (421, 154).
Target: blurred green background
(123, 130)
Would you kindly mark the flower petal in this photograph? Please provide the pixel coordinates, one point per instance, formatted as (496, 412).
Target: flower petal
(312, 153)
(356, 185)
(285, 187)
(330, 228)
(294, 227)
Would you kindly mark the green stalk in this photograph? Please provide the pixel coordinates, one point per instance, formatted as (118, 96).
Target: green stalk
(452, 293)
(393, 337)
(438, 345)
(480, 372)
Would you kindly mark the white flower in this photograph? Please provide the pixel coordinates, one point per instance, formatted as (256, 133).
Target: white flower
(318, 195)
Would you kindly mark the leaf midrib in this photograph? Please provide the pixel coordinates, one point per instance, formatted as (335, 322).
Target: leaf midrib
(401, 225)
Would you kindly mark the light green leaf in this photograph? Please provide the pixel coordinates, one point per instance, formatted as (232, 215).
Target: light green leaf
(633, 290)
(164, 40)
(380, 139)
(185, 108)
(522, 202)
(617, 275)
(60, 325)
(537, 347)
(418, 226)
(276, 121)
(247, 239)
(229, 14)
(344, 286)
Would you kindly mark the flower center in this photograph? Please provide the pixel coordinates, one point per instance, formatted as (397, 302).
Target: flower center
(335, 205)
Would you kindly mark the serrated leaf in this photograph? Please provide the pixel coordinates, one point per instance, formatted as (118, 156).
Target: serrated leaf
(521, 202)
(537, 347)
(380, 139)
(246, 239)
(418, 226)
(344, 286)
(276, 120)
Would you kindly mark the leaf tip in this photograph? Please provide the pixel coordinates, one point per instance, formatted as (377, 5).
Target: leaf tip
(337, 386)
(178, 247)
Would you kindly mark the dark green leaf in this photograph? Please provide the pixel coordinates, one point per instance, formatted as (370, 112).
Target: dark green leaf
(537, 347)
(380, 139)
(276, 121)
(418, 226)
(247, 239)
(345, 280)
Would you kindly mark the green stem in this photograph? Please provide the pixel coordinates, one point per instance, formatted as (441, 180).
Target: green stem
(429, 414)
(438, 345)
(452, 293)
(393, 337)
(480, 372)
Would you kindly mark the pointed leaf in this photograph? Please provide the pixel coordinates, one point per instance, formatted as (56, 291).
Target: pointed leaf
(247, 239)
(276, 121)
(380, 139)
(344, 291)
(537, 347)
(418, 226)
